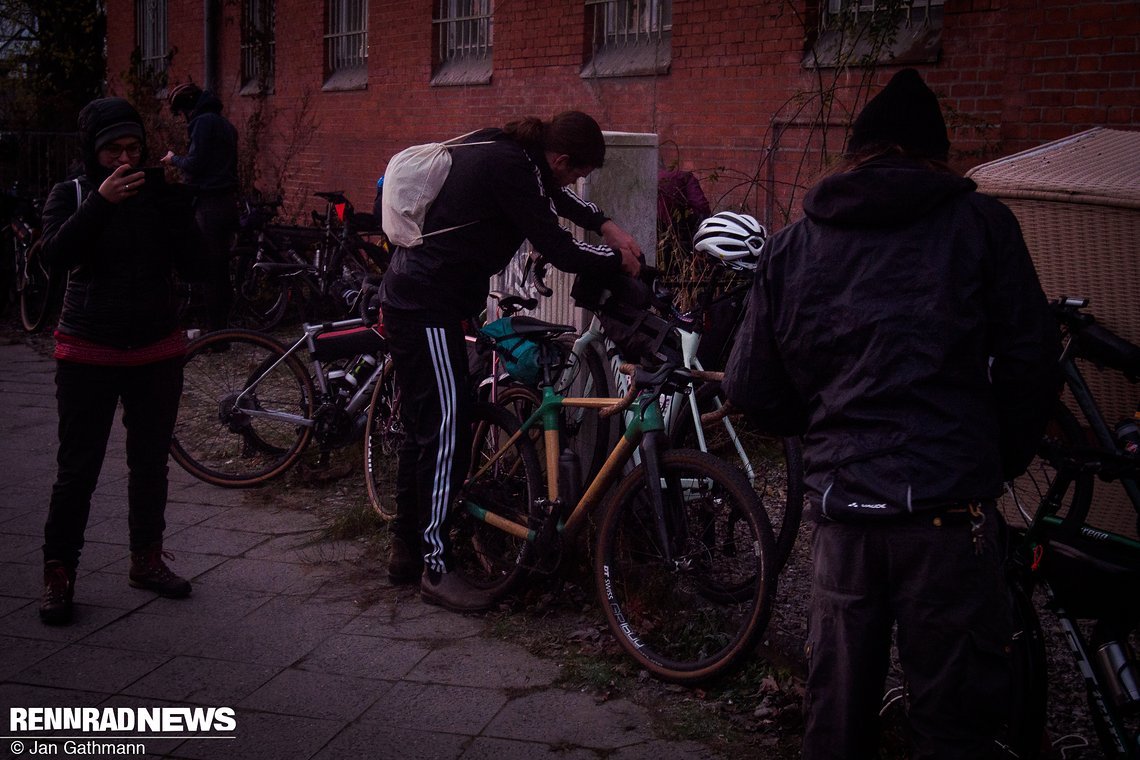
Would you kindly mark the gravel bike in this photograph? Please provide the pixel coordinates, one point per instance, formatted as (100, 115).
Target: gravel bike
(1087, 575)
(250, 407)
(683, 550)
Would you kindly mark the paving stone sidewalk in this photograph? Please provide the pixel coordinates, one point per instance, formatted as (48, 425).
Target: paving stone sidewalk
(274, 630)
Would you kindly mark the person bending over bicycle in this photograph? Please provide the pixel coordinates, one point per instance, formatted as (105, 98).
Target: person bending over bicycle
(901, 327)
(510, 187)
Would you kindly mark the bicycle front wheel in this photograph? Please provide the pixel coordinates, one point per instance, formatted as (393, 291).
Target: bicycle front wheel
(777, 464)
(383, 436)
(693, 612)
(246, 412)
(503, 484)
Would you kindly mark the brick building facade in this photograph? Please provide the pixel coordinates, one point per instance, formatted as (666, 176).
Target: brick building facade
(729, 87)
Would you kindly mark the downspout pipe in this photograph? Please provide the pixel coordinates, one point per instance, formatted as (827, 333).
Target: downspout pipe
(210, 44)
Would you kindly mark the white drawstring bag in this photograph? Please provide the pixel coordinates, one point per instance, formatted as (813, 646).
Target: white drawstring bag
(412, 181)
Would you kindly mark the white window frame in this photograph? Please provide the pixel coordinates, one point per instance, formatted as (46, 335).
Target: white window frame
(629, 37)
(464, 39)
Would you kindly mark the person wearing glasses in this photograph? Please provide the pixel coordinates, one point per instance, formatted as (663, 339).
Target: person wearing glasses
(120, 237)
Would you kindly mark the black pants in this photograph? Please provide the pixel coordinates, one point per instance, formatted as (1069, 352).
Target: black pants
(217, 218)
(954, 625)
(435, 408)
(87, 396)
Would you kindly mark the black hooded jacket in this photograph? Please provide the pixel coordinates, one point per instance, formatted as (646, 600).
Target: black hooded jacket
(901, 327)
(510, 194)
(120, 258)
(210, 164)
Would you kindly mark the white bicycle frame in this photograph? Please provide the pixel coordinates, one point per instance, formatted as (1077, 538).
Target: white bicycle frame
(682, 399)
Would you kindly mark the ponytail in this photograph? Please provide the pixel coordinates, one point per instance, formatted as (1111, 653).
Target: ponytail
(573, 133)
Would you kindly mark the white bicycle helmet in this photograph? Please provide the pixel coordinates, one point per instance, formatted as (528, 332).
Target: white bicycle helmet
(732, 239)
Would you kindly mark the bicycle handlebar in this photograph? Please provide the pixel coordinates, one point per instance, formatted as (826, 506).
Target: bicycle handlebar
(630, 371)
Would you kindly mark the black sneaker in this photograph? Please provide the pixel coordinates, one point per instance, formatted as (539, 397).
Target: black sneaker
(404, 565)
(59, 587)
(452, 592)
(148, 571)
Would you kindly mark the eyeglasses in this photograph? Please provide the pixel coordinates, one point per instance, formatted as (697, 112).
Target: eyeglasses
(114, 150)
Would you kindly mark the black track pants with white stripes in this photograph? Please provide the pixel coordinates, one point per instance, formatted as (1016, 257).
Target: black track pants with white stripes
(435, 407)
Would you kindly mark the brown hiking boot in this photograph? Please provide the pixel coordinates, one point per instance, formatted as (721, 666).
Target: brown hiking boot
(404, 565)
(59, 587)
(148, 571)
(452, 592)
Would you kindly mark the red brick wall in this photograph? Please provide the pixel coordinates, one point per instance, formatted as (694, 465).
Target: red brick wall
(1012, 74)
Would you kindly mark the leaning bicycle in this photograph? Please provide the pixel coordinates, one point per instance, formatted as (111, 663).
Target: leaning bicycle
(1088, 575)
(683, 551)
(251, 405)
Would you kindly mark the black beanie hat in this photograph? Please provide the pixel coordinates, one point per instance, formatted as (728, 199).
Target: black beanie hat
(904, 113)
(103, 120)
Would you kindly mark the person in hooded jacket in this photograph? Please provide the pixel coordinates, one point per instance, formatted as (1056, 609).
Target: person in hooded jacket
(901, 329)
(507, 185)
(121, 238)
(210, 170)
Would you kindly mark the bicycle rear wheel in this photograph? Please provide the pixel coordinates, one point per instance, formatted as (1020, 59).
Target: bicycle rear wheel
(383, 436)
(693, 617)
(777, 464)
(508, 487)
(37, 292)
(232, 379)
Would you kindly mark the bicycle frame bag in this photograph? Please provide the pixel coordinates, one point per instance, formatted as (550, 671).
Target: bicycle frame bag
(623, 308)
(345, 344)
(412, 181)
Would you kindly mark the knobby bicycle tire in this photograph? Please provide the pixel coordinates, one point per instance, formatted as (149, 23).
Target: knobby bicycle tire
(383, 435)
(1024, 731)
(694, 618)
(215, 437)
(488, 557)
(777, 464)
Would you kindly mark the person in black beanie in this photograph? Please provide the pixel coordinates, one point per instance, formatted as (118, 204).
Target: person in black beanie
(901, 329)
(120, 238)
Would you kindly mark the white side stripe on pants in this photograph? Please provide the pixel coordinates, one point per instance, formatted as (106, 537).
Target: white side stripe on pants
(445, 455)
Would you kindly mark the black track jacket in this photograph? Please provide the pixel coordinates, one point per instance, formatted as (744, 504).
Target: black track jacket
(511, 195)
(901, 327)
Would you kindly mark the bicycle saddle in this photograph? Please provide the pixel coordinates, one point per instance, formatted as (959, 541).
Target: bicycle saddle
(512, 303)
(332, 196)
(533, 328)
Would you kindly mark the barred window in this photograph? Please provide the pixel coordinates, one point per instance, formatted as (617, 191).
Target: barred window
(868, 32)
(150, 37)
(629, 37)
(464, 39)
(258, 43)
(346, 44)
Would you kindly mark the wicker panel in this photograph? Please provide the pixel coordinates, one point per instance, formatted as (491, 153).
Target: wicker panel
(1078, 202)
